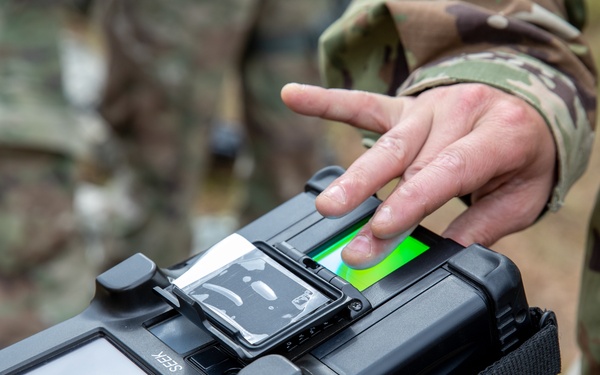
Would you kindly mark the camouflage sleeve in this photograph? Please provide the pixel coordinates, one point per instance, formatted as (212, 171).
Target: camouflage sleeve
(34, 113)
(530, 49)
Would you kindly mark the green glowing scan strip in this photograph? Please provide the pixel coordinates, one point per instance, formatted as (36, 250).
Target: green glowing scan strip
(331, 259)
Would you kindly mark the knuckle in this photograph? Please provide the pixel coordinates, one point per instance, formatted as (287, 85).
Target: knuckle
(515, 116)
(447, 167)
(451, 165)
(359, 177)
(469, 96)
(451, 161)
(376, 120)
(472, 94)
(412, 191)
(392, 147)
(414, 168)
(520, 131)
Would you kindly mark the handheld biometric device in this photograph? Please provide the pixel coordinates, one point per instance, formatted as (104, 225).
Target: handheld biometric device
(275, 298)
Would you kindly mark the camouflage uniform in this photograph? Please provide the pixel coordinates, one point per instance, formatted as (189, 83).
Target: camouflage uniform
(39, 144)
(167, 61)
(532, 49)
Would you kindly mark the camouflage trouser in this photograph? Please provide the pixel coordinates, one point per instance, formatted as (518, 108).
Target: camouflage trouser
(167, 62)
(588, 329)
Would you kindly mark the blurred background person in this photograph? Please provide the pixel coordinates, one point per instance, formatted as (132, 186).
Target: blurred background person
(159, 93)
(166, 63)
(39, 145)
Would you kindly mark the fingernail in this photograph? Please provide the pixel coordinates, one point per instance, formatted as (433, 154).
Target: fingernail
(336, 193)
(361, 246)
(383, 216)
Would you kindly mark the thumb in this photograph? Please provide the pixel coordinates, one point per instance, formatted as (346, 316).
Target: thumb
(493, 217)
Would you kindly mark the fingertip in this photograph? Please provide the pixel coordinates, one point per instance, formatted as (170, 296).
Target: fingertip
(358, 254)
(332, 201)
(291, 86)
(336, 194)
(366, 251)
(295, 88)
(288, 90)
(355, 262)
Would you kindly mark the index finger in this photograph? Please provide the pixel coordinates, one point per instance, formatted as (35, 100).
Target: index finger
(386, 160)
(360, 109)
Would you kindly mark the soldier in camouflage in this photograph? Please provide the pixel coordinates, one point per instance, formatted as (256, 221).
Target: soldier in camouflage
(166, 63)
(39, 143)
(492, 101)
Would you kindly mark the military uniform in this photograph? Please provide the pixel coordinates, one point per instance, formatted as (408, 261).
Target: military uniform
(532, 49)
(166, 64)
(39, 144)
(166, 61)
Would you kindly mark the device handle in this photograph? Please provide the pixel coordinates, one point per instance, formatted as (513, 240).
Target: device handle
(539, 355)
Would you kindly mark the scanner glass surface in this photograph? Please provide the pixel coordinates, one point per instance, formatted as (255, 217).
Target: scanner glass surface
(330, 257)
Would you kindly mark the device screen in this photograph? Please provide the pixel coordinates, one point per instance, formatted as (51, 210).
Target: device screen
(96, 357)
(330, 257)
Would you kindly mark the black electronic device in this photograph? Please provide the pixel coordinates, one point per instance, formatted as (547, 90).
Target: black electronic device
(274, 297)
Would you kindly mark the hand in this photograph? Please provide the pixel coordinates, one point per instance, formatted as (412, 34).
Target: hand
(444, 143)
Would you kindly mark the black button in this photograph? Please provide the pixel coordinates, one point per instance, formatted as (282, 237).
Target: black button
(209, 357)
(228, 367)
